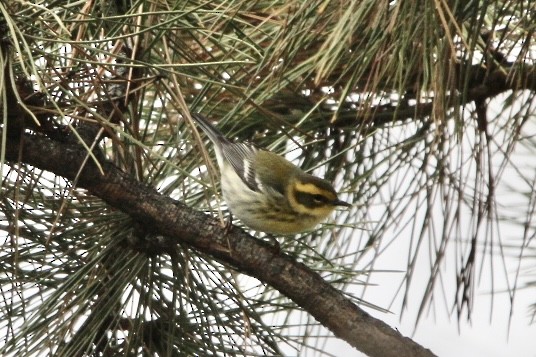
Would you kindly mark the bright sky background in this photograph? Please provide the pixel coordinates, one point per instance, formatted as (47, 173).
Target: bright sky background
(484, 337)
(491, 332)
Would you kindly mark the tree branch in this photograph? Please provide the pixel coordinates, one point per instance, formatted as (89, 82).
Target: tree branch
(182, 224)
(483, 85)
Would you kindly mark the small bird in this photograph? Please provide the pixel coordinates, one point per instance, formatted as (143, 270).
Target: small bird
(265, 191)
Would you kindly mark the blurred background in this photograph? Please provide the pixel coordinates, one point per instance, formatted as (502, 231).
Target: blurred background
(421, 113)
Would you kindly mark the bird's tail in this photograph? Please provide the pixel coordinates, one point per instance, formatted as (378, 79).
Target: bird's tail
(213, 134)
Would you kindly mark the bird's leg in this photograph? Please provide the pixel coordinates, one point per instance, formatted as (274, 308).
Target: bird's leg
(227, 228)
(275, 245)
(229, 224)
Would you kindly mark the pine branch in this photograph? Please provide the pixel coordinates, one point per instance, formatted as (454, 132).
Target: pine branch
(181, 224)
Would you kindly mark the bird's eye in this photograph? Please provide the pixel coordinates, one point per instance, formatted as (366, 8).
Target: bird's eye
(319, 198)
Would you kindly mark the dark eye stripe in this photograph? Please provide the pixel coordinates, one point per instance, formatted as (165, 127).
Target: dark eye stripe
(310, 200)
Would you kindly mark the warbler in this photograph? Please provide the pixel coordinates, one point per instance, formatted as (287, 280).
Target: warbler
(267, 192)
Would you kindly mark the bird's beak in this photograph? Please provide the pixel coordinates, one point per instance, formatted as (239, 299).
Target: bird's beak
(341, 203)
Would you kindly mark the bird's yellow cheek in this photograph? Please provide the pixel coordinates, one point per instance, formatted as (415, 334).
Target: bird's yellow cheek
(321, 212)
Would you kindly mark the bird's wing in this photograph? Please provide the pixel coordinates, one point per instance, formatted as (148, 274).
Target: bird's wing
(241, 156)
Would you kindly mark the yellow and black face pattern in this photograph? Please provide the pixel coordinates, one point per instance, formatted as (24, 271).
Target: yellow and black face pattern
(313, 196)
